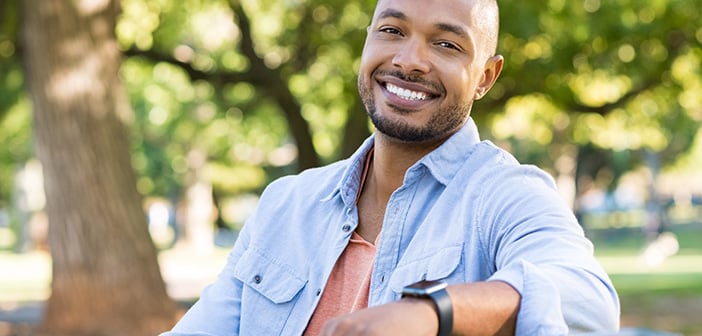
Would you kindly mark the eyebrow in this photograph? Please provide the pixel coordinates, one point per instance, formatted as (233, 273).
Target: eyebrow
(455, 29)
(394, 13)
(447, 27)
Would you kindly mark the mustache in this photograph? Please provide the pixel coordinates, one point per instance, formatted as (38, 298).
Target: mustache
(412, 78)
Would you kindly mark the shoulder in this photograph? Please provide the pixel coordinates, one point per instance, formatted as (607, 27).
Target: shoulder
(499, 168)
(502, 186)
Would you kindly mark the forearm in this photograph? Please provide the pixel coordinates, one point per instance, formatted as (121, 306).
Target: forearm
(479, 308)
(484, 308)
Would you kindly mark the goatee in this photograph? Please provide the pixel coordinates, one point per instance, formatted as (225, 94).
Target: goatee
(443, 122)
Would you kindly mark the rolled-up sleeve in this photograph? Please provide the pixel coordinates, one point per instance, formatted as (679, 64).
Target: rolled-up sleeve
(545, 311)
(541, 251)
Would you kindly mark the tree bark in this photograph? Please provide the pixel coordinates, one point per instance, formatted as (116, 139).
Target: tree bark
(106, 278)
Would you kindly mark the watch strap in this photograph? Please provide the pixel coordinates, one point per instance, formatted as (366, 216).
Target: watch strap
(444, 309)
(436, 292)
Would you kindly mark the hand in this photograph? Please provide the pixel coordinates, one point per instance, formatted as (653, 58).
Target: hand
(405, 317)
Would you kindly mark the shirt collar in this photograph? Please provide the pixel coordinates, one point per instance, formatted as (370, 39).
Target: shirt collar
(442, 163)
(446, 160)
(350, 180)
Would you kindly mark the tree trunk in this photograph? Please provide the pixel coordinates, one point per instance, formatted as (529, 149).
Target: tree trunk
(106, 278)
(356, 129)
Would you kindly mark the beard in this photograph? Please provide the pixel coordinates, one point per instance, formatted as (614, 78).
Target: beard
(443, 122)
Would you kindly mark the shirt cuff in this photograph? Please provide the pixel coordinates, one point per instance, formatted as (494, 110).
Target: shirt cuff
(540, 309)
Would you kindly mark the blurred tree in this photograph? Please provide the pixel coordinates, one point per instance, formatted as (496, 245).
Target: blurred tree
(607, 81)
(262, 88)
(238, 92)
(15, 146)
(618, 78)
(105, 278)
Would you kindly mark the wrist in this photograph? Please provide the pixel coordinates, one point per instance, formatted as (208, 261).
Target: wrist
(423, 310)
(434, 293)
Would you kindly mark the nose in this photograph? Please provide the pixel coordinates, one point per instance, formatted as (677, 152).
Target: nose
(411, 57)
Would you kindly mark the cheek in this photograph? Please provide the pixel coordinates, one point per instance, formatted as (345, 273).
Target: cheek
(373, 56)
(467, 81)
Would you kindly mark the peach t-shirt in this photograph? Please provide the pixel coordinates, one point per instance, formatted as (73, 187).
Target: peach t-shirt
(349, 282)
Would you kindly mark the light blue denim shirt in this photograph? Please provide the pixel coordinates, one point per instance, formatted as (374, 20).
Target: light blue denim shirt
(468, 211)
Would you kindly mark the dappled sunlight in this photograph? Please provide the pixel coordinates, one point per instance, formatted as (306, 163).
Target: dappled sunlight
(25, 278)
(652, 263)
(599, 87)
(529, 117)
(215, 27)
(90, 7)
(588, 89)
(139, 20)
(663, 247)
(186, 273)
(80, 80)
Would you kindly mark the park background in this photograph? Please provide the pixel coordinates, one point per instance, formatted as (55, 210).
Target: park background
(143, 131)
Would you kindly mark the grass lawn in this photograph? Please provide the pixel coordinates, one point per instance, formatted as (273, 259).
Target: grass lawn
(666, 296)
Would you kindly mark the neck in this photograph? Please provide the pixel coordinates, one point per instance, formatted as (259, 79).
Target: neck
(390, 163)
(386, 172)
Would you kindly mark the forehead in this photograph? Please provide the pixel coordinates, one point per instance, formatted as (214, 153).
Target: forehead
(454, 11)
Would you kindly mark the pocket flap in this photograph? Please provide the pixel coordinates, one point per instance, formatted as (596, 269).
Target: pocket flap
(430, 266)
(271, 278)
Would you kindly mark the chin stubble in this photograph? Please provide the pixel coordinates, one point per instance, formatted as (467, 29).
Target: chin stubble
(443, 122)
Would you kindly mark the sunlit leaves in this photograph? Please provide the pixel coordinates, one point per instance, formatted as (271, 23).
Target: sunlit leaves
(625, 73)
(599, 87)
(690, 161)
(138, 22)
(16, 145)
(530, 117)
(235, 178)
(687, 69)
(620, 130)
(213, 28)
(617, 75)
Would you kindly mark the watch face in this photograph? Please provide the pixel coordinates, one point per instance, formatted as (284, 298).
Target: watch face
(424, 287)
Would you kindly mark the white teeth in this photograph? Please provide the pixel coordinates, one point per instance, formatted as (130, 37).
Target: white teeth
(406, 94)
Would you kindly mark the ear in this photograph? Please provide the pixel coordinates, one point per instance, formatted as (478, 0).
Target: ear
(493, 68)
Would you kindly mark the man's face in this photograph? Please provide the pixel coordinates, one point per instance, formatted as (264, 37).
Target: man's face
(422, 66)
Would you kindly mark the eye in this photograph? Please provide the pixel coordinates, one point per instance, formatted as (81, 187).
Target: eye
(390, 30)
(449, 45)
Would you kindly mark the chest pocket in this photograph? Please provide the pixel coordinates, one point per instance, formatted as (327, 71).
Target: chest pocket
(270, 286)
(434, 265)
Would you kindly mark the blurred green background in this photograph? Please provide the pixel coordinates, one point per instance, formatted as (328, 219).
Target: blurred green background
(229, 95)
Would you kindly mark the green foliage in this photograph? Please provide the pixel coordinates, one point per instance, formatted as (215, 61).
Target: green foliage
(16, 146)
(616, 75)
(221, 79)
(15, 119)
(313, 47)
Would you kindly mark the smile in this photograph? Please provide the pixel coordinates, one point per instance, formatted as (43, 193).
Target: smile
(405, 93)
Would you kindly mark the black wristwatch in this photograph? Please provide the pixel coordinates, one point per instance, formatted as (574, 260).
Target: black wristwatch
(436, 291)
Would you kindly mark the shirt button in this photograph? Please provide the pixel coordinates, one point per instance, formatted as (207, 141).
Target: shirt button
(346, 228)
(257, 279)
(319, 291)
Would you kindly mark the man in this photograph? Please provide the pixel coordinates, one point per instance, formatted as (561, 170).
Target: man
(368, 244)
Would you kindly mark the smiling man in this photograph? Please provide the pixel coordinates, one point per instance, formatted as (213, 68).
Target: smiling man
(425, 230)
